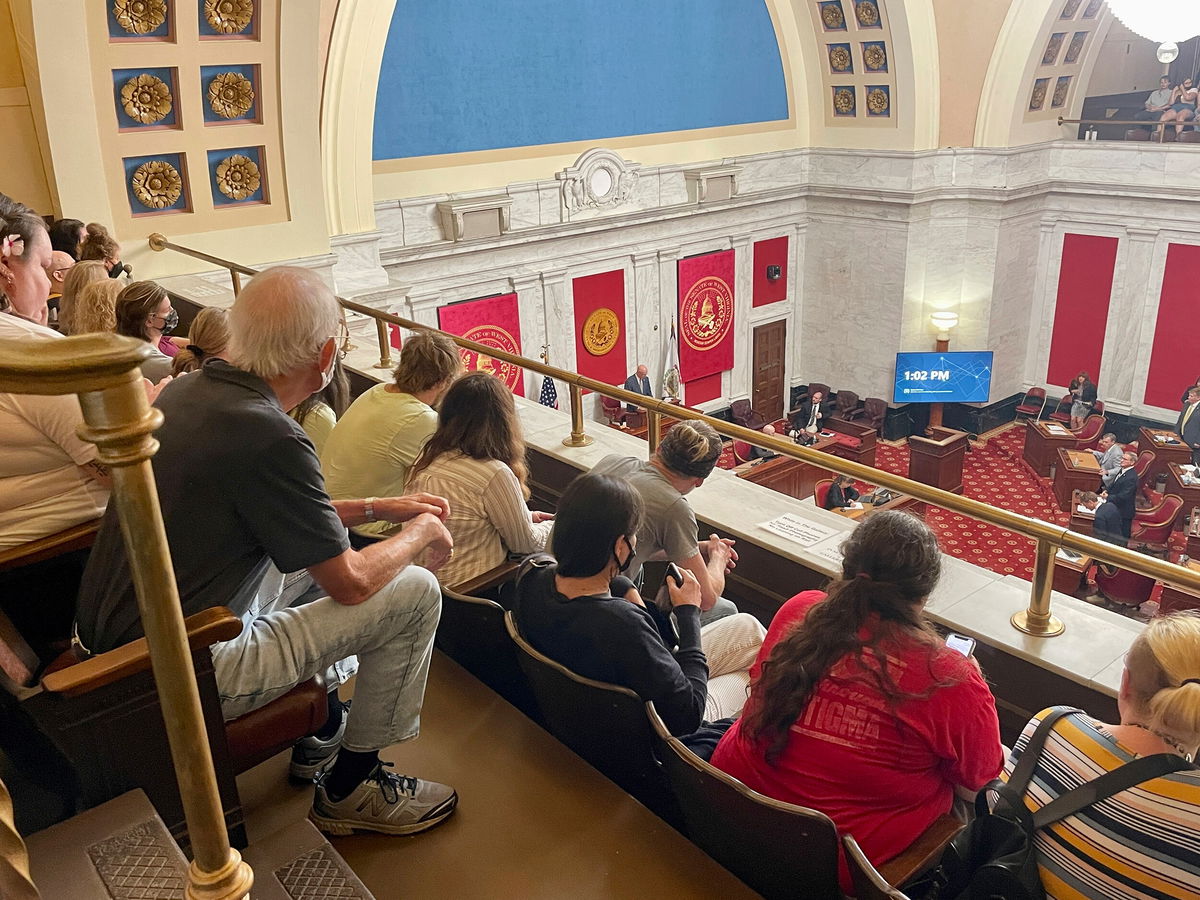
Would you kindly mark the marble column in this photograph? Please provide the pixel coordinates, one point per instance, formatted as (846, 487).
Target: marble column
(738, 382)
(644, 339)
(1045, 292)
(656, 329)
(558, 319)
(530, 304)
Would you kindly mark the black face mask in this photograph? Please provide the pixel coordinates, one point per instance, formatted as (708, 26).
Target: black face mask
(623, 566)
(119, 269)
(170, 321)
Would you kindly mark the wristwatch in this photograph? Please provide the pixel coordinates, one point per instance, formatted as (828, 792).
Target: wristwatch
(369, 509)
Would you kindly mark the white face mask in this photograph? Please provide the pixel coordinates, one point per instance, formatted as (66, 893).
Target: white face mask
(327, 375)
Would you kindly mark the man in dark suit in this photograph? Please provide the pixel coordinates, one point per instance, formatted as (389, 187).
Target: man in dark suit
(1188, 426)
(639, 383)
(1107, 523)
(1121, 491)
(808, 417)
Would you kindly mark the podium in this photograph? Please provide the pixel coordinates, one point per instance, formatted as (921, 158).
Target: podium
(1076, 471)
(938, 460)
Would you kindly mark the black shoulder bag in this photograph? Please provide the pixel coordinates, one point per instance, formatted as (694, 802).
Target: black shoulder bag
(994, 856)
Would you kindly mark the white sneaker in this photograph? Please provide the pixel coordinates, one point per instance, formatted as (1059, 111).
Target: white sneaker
(384, 802)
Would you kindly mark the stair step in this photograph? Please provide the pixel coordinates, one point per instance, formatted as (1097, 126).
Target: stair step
(297, 863)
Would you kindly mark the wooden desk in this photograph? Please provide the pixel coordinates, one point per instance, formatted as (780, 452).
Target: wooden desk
(1191, 529)
(938, 459)
(1189, 492)
(900, 501)
(792, 477)
(1077, 470)
(1164, 453)
(1081, 523)
(1043, 440)
(1069, 573)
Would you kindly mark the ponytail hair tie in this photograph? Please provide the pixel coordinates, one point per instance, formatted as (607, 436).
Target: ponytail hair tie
(1189, 681)
(195, 350)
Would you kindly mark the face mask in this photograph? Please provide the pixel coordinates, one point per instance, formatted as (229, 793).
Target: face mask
(623, 566)
(119, 269)
(327, 375)
(170, 322)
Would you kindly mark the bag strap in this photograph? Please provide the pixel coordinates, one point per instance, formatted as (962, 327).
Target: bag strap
(1122, 778)
(1018, 782)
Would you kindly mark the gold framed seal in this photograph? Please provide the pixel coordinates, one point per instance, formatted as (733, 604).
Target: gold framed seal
(706, 313)
(601, 330)
(493, 336)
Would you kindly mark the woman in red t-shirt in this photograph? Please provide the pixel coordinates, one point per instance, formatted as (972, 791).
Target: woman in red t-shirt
(862, 712)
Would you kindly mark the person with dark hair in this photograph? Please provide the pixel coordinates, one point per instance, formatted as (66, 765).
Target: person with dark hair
(1083, 398)
(1106, 526)
(579, 607)
(685, 457)
(1109, 458)
(476, 460)
(101, 246)
(144, 311)
(66, 235)
(49, 476)
(377, 440)
(841, 493)
(857, 708)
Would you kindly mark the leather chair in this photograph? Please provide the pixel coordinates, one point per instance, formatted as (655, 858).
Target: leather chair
(616, 413)
(1152, 527)
(1123, 587)
(1062, 412)
(1089, 435)
(745, 415)
(821, 491)
(1033, 403)
(603, 723)
(777, 848)
(741, 451)
(875, 409)
(847, 405)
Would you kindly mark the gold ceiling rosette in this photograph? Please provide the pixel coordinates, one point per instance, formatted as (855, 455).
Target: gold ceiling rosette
(230, 94)
(146, 99)
(877, 101)
(843, 101)
(229, 16)
(238, 177)
(139, 16)
(156, 184)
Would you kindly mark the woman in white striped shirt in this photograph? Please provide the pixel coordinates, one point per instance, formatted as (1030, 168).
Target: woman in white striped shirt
(476, 460)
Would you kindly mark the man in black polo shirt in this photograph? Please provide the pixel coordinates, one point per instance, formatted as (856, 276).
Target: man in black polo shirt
(243, 499)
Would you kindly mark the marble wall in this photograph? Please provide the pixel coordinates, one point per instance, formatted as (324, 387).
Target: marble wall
(879, 240)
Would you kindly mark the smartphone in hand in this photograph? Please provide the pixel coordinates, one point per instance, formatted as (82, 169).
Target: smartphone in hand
(960, 642)
(674, 574)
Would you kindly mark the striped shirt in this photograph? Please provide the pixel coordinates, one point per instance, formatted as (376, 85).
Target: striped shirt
(488, 516)
(1141, 843)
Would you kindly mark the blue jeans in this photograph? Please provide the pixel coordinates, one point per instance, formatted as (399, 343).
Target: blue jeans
(283, 645)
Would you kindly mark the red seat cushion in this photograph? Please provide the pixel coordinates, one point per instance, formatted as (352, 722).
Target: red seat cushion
(847, 440)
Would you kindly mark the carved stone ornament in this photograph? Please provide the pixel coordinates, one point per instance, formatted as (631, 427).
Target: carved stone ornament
(140, 16)
(229, 16)
(156, 184)
(238, 177)
(600, 179)
(146, 99)
(230, 95)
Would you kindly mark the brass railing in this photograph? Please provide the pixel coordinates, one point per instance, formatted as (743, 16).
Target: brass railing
(1148, 124)
(1036, 619)
(103, 369)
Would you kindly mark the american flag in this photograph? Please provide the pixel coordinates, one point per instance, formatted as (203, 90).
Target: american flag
(549, 395)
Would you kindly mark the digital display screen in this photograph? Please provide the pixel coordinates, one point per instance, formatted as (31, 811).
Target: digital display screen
(962, 377)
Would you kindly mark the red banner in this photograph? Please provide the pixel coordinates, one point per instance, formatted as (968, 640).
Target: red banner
(494, 322)
(773, 252)
(705, 315)
(600, 326)
(1172, 358)
(1085, 278)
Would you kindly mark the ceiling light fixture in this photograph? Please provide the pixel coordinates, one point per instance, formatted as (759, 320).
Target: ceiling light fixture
(1162, 21)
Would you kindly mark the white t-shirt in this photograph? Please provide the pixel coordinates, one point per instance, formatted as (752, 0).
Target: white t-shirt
(42, 491)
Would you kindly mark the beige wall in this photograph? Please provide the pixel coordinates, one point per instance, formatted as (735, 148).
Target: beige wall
(23, 175)
(1127, 63)
(967, 35)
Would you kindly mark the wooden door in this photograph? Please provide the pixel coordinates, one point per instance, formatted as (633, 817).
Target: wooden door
(767, 372)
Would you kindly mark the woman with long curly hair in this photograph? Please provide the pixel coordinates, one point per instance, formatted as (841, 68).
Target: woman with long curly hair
(93, 310)
(857, 708)
(476, 460)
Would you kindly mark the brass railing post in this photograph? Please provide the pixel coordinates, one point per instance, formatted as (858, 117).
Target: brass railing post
(653, 429)
(385, 346)
(577, 438)
(1036, 620)
(237, 281)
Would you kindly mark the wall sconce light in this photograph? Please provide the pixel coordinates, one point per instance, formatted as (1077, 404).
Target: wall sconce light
(774, 273)
(943, 322)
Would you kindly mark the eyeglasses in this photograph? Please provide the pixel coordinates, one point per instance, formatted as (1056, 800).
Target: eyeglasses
(342, 340)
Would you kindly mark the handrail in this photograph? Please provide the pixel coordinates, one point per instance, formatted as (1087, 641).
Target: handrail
(1036, 619)
(1148, 124)
(103, 369)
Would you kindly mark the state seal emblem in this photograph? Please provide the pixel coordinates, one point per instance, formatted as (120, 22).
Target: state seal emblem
(706, 313)
(601, 330)
(493, 336)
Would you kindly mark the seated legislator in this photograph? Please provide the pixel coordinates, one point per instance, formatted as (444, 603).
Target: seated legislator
(639, 383)
(857, 708)
(1141, 842)
(807, 420)
(685, 457)
(476, 460)
(842, 493)
(49, 477)
(144, 311)
(242, 500)
(376, 441)
(578, 608)
(1107, 523)
(1109, 457)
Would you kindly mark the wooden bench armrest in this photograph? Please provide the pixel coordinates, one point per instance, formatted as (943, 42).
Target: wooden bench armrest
(922, 853)
(74, 538)
(489, 579)
(203, 629)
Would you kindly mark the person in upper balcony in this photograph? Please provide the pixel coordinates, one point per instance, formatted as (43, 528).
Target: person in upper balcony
(685, 457)
(243, 501)
(1157, 103)
(81, 275)
(377, 440)
(49, 477)
(144, 311)
(476, 460)
(1183, 105)
(579, 608)
(639, 383)
(94, 309)
(857, 707)
(1109, 457)
(1140, 842)
(208, 338)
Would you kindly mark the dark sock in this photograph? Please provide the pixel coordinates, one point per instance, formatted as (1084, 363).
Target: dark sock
(351, 768)
(334, 722)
